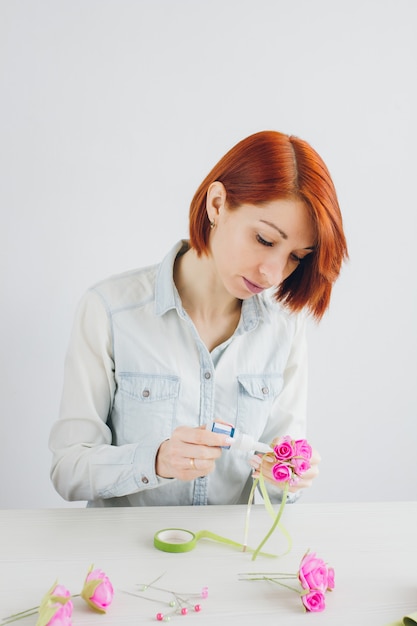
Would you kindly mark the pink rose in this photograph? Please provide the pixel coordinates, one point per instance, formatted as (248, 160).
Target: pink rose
(313, 573)
(56, 607)
(281, 472)
(314, 601)
(284, 448)
(300, 466)
(97, 591)
(303, 449)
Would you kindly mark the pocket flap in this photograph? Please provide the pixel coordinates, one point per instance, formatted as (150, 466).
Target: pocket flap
(262, 387)
(149, 387)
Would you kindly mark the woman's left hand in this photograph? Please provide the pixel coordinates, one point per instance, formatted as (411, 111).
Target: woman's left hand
(266, 463)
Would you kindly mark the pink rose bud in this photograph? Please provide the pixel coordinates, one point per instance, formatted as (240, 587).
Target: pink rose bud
(56, 607)
(313, 573)
(314, 601)
(281, 472)
(303, 449)
(97, 591)
(284, 449)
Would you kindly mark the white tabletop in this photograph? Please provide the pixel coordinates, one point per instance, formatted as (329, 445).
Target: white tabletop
(372, 547)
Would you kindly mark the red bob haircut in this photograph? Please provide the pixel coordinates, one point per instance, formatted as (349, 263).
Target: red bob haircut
(271, 166)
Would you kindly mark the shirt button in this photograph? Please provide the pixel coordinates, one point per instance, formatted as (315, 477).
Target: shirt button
(146, 393)
(207, 375)
(145, 480)
(265, 391)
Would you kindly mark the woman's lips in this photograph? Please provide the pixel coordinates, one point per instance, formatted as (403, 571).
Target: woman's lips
(252, 287)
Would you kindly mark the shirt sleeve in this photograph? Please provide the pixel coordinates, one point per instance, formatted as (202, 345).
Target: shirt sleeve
(85, 464)
(289, 412)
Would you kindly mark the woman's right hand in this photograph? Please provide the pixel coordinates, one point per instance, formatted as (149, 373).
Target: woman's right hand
(189, 453)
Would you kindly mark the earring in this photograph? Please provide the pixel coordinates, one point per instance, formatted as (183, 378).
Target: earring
(212, 224)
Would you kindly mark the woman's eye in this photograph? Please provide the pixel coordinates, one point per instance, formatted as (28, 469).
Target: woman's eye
(295, 258)
(263, 241)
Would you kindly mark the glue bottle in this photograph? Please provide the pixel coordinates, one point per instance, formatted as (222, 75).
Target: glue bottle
(241, 441)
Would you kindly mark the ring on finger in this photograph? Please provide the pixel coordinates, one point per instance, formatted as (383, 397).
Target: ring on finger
(192, 463)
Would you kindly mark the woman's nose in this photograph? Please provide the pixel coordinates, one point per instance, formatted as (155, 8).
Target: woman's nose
(274, 273)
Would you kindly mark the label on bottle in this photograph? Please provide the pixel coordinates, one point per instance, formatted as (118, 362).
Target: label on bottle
(223, 429)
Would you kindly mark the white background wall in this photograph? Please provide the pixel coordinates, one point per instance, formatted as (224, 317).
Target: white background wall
(112, 112)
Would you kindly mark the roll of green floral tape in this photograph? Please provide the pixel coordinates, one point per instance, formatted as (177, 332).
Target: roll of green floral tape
(175, 540)
(181, 540)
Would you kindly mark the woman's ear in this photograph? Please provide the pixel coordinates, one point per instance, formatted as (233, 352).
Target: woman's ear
(216, 200)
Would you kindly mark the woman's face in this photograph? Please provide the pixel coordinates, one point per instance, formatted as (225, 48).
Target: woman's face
(256, 247)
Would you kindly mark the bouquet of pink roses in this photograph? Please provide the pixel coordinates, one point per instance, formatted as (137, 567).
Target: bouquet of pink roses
(291, 459)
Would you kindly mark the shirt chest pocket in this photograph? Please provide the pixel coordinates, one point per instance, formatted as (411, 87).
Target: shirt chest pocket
(255, 398)
(147, 406)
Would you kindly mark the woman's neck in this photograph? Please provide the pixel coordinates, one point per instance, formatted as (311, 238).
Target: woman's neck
(213, 310)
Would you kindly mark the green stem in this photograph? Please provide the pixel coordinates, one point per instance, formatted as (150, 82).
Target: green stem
(276, 521)
(16, 616)
(248, 510)
(209, 535)
(276, 581)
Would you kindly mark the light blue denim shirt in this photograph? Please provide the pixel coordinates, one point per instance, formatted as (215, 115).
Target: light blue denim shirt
(136, 369)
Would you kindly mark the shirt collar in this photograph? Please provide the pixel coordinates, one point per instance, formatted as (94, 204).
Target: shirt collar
(166, 294)
(252, 313)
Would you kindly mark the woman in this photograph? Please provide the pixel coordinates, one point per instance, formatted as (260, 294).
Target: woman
(158, 353)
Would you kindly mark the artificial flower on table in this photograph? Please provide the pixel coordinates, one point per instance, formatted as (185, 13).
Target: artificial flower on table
(314, 579)
(97, 591)
(56, 607)
(291, 459)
